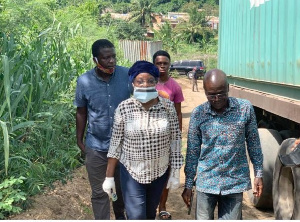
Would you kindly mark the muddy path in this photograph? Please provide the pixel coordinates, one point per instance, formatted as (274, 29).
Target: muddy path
(71, 201)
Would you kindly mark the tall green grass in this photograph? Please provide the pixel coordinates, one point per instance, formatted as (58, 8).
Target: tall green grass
(37, 118)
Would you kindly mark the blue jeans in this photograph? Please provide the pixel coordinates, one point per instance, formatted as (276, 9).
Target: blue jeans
(229, 206)
(141, 200)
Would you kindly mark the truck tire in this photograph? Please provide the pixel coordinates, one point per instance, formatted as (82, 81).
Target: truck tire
(285, 134)
(286, 186)
(270, 141)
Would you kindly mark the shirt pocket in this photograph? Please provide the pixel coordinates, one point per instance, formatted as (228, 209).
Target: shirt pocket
(134, 124)
(159, 126)
(98, 102)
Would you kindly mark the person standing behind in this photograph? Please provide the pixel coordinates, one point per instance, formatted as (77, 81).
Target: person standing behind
(146, 140)
(168, 88)
(216, 151)
(98, 93)
(195, 79)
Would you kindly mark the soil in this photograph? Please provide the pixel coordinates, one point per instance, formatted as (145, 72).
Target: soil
(72, 201)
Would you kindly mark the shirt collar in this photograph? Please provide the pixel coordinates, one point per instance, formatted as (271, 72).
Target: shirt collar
(232, 105)
(163, 83)
(100, 78)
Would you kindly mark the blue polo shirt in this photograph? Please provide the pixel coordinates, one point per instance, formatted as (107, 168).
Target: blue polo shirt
(101, 99)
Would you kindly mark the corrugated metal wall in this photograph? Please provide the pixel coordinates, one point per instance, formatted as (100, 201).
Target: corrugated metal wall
(261, 43)
(139, 50)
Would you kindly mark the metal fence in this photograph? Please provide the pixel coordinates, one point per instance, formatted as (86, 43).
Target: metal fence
(139, 50)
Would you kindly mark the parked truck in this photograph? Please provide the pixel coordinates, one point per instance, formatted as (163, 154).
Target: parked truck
(259, 50)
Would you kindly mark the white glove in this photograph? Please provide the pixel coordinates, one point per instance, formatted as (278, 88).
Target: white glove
(174, 181)
(109, 186)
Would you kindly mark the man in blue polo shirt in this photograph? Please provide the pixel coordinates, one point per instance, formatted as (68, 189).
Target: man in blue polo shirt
(98, 93)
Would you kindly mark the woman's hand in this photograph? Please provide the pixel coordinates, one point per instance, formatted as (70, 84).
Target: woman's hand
(109, 186)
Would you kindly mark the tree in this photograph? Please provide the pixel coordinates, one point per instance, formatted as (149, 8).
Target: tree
(129, 30)
(30, 16)
(190, 5)
(169, 38)
(196, 28)
(121, 7)
(142, 12)
(211, 10)
(165, 6)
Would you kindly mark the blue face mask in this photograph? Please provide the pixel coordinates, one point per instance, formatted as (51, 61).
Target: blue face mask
(144, 95)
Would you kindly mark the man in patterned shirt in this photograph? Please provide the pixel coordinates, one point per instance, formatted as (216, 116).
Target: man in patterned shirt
(216, 150)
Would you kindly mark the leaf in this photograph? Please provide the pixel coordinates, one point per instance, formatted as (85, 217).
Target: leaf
(6, 144)
(45, 32)
(6, 82)
(22, 125)
(3, 107)
(20, 96)
(21, 158)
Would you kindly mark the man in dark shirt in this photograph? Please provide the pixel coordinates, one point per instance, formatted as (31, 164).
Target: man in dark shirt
(98, 93)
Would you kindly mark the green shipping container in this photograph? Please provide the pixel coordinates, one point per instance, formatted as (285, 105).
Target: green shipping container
(259, 45)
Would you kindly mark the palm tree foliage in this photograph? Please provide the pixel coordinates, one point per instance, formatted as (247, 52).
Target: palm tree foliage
(141, 12)
(169, 38)
(195, 28)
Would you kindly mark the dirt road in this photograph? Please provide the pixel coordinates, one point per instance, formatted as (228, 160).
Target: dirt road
(72, 200)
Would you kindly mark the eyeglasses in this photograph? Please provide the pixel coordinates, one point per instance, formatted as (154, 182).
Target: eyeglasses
(150, 82)
(219, 96)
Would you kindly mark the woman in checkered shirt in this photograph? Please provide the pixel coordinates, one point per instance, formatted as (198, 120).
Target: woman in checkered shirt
(146, 139)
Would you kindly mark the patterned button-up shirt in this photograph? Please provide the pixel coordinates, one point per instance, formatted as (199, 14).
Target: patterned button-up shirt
(146, 141)
(217, 151)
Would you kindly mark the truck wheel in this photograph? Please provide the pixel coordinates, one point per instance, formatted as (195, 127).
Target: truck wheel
(286, 186)
(285, 134)
(270, 141)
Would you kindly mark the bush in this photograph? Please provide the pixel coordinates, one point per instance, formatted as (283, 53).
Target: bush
(10, 196)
